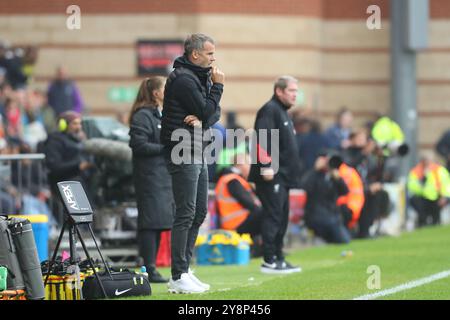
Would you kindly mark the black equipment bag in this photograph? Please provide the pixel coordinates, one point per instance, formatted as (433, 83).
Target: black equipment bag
(8, 257)
(23, 238)
(124, 284)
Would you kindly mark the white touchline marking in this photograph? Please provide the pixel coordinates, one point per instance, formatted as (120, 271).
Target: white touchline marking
(405, 286)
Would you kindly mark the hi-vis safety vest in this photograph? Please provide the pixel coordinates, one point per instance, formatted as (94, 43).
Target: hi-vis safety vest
(231, 212)
(386, 131)
(437, 182)
(354, 199)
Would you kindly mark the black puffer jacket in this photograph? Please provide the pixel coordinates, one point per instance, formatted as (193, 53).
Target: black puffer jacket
(152, 181)
(273, 116)
(189, 91)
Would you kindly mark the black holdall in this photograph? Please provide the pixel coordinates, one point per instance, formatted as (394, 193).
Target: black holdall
(9, 257)
(124, 283)
(23, 238)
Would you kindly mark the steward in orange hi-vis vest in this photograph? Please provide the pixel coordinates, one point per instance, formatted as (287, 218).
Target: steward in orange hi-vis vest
(354, 199)
(231, 212)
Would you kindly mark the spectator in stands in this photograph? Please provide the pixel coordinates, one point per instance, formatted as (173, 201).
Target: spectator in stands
(219, 132)
(63, 94)
(312, 143)
(10, 202)
(231, 146)
(12, 61)
(13, 122)
(5, 93)
(429, 187)
(323, 185)
(443, 148)
(302, 126)
(32, 122)
(339, 133)
(238, 206)
(153, 185)
(43, 111)
(390, 139)
(65, 157)
(362, 155)
(29, 61)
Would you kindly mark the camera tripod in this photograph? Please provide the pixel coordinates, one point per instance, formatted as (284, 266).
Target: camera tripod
(76, 203)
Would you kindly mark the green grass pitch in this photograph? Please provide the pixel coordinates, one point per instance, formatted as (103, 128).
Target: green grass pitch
(328, 275)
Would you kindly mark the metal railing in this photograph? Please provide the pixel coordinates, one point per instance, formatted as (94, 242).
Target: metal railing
(23, 184)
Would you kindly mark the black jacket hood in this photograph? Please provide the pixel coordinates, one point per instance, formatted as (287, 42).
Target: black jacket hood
(183, 61)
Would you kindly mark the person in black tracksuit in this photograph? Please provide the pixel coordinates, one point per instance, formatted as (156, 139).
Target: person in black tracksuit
(191, 106)
(275, 171)
(152, 182)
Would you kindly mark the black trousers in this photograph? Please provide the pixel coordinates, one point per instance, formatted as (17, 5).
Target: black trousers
(375, 206)
(252, 224)
(148, 245)
(426, 210)
(190, 192)
(274, 197)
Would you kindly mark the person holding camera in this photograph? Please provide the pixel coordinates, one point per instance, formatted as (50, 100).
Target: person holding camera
(65, 157)
(152, 182)
(364, 155)
(191, 106)
(324, 185)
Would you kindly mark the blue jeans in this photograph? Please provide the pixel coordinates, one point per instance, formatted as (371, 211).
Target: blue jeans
(190, 192)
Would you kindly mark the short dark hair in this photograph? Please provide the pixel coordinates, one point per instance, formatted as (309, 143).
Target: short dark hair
(195, 41)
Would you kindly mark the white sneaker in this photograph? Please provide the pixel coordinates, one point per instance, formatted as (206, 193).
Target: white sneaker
(197, 281)
(184, 285)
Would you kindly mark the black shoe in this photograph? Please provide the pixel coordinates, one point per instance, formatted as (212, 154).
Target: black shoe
(283, 264)
(278, 267)
(155, 277)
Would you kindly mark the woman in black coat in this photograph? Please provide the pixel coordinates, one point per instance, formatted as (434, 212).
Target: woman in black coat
(151, 179)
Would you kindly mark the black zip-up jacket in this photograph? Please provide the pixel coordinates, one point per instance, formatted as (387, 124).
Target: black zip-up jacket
(189, 91)
(273, 115)
(322, 191)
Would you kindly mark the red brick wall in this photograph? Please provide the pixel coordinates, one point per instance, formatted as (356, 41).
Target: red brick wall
(329, 9)
(284, 7)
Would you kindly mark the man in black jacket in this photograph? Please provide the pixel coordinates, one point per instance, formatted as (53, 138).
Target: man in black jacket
(275, 171)
(191, 105)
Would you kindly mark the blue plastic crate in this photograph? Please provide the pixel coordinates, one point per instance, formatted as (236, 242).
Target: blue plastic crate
(222, 254)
